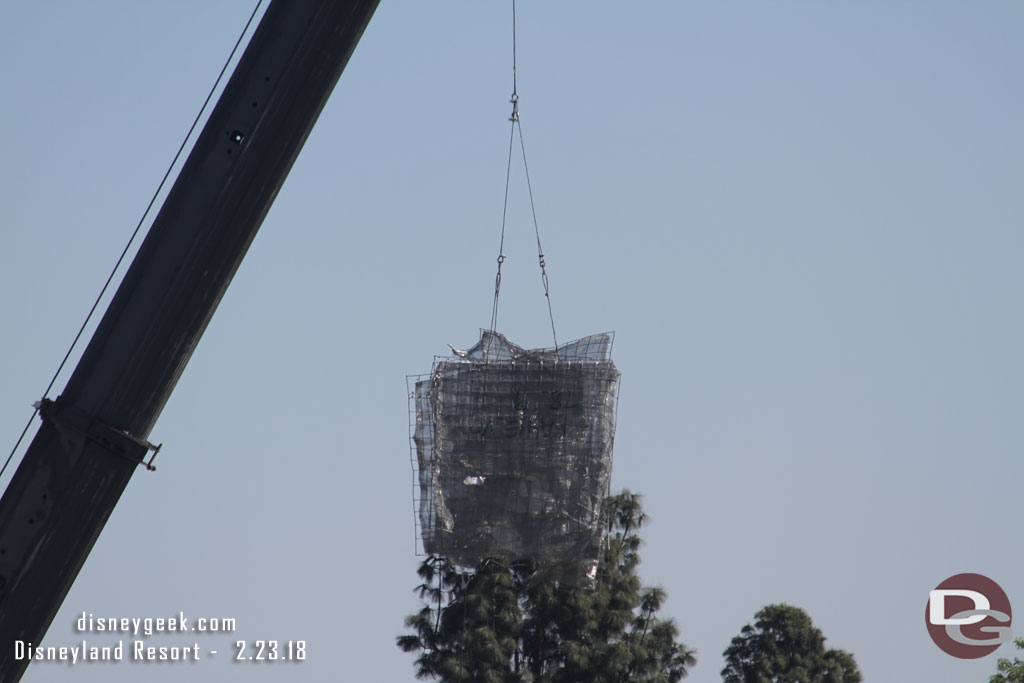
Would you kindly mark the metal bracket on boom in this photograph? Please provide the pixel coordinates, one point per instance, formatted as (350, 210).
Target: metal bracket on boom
(117, 441)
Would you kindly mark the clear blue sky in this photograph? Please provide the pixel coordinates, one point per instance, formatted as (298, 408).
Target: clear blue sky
(803, 220)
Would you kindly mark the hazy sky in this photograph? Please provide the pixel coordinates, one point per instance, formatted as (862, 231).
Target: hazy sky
(803, 221)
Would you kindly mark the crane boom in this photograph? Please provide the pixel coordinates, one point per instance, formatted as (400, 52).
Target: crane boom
(94, 435)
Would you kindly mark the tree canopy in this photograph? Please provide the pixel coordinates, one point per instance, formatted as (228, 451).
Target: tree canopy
(1009, 671)
(518, 623)
(783, 646)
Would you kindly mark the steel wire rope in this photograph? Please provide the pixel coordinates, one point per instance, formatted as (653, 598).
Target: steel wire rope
(135, 232)
(501, 246)
(536, 229)
(516, 124)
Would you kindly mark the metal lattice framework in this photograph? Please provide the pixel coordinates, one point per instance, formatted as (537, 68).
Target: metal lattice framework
(512, 450)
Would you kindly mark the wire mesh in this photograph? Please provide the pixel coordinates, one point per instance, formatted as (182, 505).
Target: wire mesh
(511, 450)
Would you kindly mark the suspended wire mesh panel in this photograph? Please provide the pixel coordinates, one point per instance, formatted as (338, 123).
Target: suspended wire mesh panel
(513, 450)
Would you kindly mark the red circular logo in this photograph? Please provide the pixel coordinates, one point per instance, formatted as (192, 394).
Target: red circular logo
(968, 616)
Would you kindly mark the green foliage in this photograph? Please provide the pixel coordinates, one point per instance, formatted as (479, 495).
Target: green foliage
(783, 646)
(518, 624)
(1010, 671)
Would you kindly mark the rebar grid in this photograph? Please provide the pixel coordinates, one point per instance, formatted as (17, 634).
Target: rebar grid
(512, 450)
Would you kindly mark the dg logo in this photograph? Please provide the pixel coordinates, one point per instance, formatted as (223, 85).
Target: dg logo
(968, 616)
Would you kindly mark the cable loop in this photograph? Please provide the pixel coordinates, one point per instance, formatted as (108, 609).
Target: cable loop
(514, 118)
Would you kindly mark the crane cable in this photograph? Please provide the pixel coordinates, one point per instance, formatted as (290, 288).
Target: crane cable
(517, 126)
(135, 233)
